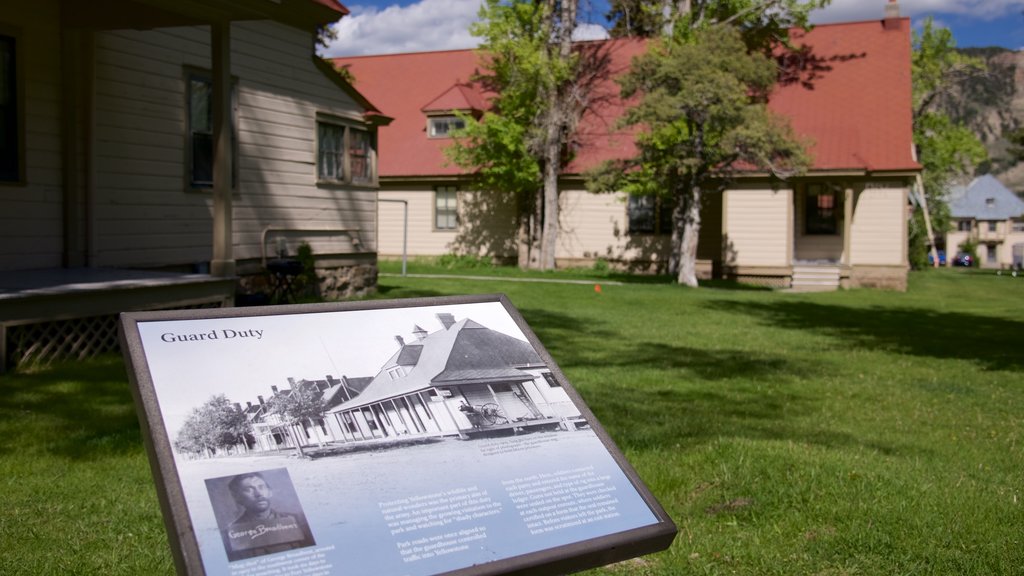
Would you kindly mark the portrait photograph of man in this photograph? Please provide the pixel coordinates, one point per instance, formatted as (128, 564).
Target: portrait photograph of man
(258, 513)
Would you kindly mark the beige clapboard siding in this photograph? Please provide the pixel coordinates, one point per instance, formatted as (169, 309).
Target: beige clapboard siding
(31, 220)
(593, 226)
(141, 93)
(754, 234)
(424, 239)
(876, 235)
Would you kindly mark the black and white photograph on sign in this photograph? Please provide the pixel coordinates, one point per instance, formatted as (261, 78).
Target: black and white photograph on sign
(407, 441)
(258, 513)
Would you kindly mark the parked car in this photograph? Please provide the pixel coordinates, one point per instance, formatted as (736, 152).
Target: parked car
(942, 258)
(963, 259)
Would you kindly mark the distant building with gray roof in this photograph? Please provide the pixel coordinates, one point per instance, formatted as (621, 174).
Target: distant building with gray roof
(988, 214)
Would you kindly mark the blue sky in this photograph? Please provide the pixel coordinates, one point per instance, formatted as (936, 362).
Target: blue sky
(390, 26)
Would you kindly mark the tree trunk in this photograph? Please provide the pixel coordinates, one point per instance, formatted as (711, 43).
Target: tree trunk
(552, 153)
(678, 224)
(523, 242)
(556, 125)
(691, 233)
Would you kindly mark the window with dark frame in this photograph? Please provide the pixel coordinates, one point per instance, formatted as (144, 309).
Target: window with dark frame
(821, 215)
(649, 215)
(10, 120)
(330, 152)
(446, 215)
(200, 132)
(963, 226)
(443, 126)
(360, 156)
(345, 153)
(992, 226)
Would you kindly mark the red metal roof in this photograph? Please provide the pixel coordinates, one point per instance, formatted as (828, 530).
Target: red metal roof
(849, 94)
(333, 5)
(852, 96)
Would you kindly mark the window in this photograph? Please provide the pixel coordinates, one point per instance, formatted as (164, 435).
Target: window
(445, 208)
(200, 132)
(345, 153)
(396, 372)
(992, 226)
(990, 254)
(821, 215)
(550, 379)
(649, 215)
(11, 161)
(443, 126)
(360, 156)
(1018, 225)
(963, 225)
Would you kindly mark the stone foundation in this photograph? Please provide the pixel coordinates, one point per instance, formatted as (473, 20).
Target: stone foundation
(329, 282)
(885, 277)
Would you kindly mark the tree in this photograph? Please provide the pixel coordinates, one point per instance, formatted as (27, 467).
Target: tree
(1016, 139)
(517, 147)
(704, 118)
(304, 403)
(216, 425)
(947, 151)
(763, 23)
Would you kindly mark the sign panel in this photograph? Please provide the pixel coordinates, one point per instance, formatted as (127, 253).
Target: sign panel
(404, 437)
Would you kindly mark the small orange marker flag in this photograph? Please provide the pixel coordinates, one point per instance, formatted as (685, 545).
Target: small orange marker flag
(597, 288)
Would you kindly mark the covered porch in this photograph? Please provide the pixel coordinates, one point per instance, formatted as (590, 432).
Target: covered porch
(71, 313)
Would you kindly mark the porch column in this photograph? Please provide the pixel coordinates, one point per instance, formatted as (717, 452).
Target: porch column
(77, 57)
(223, 263)
(847, 222)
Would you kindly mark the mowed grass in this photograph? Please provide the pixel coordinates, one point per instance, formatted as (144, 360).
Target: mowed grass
(855, 432)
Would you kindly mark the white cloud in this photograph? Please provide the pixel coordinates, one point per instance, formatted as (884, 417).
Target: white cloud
(590, 32)
(854, 10)
(427, 25)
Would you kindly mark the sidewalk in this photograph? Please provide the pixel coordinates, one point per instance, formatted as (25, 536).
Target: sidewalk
(504, 279)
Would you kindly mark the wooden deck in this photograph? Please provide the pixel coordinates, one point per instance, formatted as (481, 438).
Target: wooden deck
(73, 307)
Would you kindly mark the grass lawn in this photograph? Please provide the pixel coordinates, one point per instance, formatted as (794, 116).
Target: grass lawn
(855, 432)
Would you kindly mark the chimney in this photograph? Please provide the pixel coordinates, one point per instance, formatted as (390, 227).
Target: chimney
(892, 15)
(446, 320)
(260, 398)
(248, 404)
(400, 340)
(418, 332)
(274, 389)
(238, 407)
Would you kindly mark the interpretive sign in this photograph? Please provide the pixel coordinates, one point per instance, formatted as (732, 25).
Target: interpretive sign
(403, 437)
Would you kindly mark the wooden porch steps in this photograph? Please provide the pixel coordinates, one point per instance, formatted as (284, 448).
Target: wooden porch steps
(815, 278)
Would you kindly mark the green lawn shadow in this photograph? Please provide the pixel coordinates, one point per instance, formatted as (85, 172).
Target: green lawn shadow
(75, 410)
(992, 343)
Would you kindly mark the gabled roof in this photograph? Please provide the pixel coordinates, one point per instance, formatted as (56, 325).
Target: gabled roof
(400, 85)
(464, 353)
(985, 198)
(460, 97)
(345, 390)
(848, 93)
